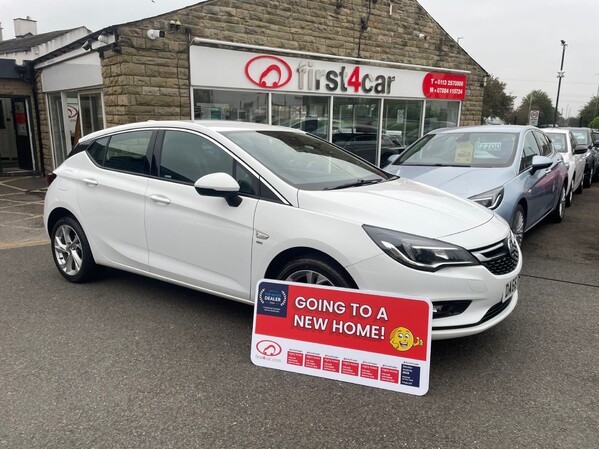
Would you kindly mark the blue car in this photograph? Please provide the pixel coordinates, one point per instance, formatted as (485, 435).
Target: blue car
(513, 170)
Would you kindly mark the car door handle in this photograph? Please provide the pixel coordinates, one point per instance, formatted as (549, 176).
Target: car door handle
(90, 182)
(160, 199)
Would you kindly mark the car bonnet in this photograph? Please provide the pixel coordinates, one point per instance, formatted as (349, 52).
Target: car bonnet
(461, 181)
(400, 205)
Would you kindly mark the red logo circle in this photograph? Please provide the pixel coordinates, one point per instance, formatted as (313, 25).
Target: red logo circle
(268, 72)
(269, 348)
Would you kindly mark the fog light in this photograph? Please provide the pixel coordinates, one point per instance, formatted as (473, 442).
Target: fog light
(444, 309)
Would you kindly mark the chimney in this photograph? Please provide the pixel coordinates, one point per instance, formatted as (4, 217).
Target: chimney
(23, 27)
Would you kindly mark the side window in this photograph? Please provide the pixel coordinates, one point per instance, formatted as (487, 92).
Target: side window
(97, 150)
(186, 157)
(530, 150)
(544, 144)
(128, 152)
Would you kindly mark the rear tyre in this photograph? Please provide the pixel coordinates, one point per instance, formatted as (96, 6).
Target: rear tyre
(560, 208)
(518, 224)
(315, 270)
(71, 252)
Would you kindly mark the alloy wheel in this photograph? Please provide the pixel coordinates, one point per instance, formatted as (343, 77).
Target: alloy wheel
(309, 277)
(68, 250)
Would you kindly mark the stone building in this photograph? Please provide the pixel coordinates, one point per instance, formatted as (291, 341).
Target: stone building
(19, 147)
(366, 70)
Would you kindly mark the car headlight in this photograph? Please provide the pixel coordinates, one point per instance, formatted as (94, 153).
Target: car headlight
(491, 199)
(418, 252)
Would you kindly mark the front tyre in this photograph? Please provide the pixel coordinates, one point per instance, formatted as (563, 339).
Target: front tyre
(518, 224)
(570, 195)
(316, 270)
(71, 252)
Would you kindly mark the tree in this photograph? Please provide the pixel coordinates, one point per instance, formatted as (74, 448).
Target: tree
(537, 100)
(496, 103)
(594, 123)
(589, 111)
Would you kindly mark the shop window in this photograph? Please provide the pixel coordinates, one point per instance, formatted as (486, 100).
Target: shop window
(308, 113)
(228, 105)
(186, 157)
(356, 121)
(128, 152)
(91, 115)
(441, 114)
(402, 120)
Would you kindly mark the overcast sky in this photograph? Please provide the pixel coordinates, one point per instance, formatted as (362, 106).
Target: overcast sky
(517, 41)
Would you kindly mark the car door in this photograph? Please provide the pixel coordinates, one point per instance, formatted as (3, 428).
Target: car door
(553, 179)
(111, 195)
(534, 182)
(199, 240)
(579, 159)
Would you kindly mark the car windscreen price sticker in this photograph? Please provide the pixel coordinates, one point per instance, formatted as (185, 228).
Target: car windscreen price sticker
(367, 338)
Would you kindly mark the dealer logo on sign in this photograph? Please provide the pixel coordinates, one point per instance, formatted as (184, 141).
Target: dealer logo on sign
(268, 71)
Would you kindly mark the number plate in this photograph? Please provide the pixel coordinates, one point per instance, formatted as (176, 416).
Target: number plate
(510, 288)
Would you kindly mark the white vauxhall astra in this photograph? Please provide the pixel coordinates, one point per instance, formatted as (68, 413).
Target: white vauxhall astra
(217, 206)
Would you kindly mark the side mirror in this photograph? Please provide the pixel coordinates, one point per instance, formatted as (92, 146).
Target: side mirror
(220, 185)
(596, 143)
(540, 162)
(580, 149)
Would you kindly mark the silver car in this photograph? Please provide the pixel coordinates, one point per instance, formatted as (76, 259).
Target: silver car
(574, 158)
(513, 170)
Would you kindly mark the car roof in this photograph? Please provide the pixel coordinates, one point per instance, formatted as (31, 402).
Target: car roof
(198, 125)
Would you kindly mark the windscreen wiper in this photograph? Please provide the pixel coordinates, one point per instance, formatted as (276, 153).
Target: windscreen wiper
(357, 183)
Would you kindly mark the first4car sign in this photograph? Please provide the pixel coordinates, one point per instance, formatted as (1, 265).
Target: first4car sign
(247, 70)
(349, 335)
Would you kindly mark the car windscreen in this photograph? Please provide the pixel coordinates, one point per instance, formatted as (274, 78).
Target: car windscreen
(306, 162)
(559, 141)
(462, 149)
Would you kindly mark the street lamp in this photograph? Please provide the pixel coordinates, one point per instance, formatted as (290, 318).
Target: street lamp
(560, 75)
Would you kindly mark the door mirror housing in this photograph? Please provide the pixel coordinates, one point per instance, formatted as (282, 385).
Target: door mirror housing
(540, 162)
(580, 149)
(221, 185)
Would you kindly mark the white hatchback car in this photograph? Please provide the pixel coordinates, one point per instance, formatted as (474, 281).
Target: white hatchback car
(217, 206)
(564, 141)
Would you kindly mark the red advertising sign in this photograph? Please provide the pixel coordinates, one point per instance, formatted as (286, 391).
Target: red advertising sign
(446, 86)
(361, 337)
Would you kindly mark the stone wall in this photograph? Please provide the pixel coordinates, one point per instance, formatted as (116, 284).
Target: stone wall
(149, 79)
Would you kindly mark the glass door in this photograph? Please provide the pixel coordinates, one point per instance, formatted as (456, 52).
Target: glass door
(60, 146)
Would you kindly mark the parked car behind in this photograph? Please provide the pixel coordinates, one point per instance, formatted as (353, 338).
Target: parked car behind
(364, 145)
(510, 169)
(584, 136)
(217, 206)
(574, 158)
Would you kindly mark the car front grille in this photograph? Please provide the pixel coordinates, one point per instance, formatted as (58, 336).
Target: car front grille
(500, 258)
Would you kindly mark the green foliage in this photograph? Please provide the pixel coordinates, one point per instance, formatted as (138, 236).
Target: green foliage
(594, 123)
(496, 103)
(590, 110)
(537, 100)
